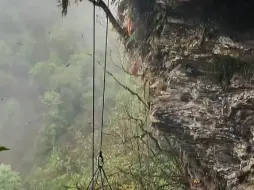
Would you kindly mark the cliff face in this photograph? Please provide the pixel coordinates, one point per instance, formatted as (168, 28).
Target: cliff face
(198, 59)
(214, 128)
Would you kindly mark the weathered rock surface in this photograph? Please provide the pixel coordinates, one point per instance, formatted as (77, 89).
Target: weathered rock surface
(198, 57)
(206, 102)
(213, 126)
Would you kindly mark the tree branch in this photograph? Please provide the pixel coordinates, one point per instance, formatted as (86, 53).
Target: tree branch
(125, 87)
(100, 3)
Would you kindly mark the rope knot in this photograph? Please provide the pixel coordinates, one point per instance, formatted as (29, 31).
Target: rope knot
(100, 160)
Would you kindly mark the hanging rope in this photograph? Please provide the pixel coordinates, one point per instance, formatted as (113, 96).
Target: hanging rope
(100, 161)
(99, 172)
(104, 81)
(93, 122)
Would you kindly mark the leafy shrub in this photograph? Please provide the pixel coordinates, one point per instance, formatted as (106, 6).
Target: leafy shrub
(9, 179)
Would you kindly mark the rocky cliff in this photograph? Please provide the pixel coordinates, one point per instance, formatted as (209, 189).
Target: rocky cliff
(197, 57)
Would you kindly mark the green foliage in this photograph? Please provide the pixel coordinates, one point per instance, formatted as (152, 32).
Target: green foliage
(2, 148)
(131, 159)
(9, 180)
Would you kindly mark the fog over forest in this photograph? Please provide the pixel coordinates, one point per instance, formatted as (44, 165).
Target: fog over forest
(25, 27)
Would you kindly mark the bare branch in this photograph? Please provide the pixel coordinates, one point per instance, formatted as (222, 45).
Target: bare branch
(125, 87)
(100, 3)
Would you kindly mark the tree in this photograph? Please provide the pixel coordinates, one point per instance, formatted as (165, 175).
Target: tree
(130, 161)
(9, 179)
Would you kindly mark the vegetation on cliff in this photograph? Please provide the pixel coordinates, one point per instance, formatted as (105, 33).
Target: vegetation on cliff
(197, 57)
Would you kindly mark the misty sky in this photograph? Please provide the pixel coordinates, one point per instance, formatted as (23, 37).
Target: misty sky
(79, 16)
